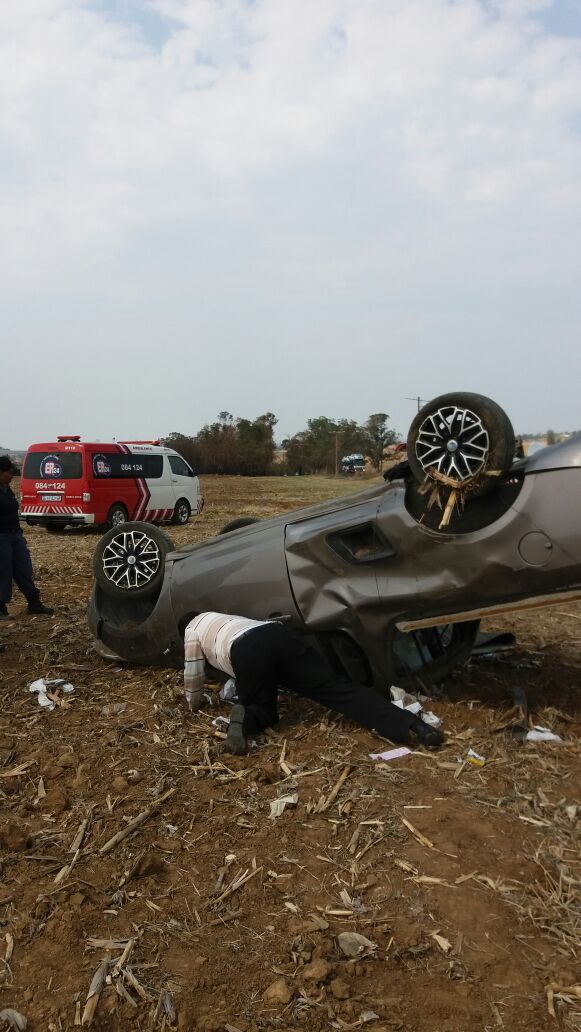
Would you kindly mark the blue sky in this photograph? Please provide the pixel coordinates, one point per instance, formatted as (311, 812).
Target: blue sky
(313, 209)
(140, 16)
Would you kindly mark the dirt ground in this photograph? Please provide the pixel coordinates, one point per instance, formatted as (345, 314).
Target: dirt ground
(211, 915)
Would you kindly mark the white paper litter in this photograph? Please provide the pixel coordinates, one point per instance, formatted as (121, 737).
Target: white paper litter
(228, 690)
(43, 685)
(411, 704)
(403, 700)
(542, 734)
(390, 754)
(278, 806)
(14, 1019)
(222, 723)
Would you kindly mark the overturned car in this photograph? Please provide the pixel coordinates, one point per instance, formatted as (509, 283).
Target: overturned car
(391, 582)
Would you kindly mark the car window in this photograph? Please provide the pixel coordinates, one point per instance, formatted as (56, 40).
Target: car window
(179, 467)
(362, 544)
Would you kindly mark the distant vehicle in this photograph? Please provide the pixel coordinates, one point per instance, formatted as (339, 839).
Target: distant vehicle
(390, 582)
(353, 464)
(74, 483)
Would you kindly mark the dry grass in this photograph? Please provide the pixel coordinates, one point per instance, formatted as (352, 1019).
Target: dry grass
(145, 885)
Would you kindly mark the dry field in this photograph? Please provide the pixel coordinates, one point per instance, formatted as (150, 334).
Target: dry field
(210, 915)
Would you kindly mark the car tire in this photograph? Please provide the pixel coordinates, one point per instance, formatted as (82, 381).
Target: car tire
(461, 437)
(243, 521)
(116, 516)
(181, 513)
(129, 561)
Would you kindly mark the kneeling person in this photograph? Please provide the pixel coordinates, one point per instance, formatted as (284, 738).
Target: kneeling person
(263, 655)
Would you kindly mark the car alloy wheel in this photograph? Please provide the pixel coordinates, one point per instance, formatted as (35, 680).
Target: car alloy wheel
(131, 559)
(452, 442)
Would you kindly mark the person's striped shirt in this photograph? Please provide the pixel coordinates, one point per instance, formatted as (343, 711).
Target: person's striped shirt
(209, 638)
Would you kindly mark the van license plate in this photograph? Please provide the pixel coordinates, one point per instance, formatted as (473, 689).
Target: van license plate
(50, 498)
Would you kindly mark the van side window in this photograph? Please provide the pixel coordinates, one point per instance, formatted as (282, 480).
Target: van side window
(107, 465)
(179, 467)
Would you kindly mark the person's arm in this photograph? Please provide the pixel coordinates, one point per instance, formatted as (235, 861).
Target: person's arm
(194, 669)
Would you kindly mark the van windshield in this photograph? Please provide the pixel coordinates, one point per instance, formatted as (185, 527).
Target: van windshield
(54, 465)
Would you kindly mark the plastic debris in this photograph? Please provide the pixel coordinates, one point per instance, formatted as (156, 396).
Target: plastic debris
(228, 690)
(542, 734)
(278, 806)
(411, 704)
(43, 686)
(404, 700)
(475, 758)
(390, 754)
(352, 944)
(221, 723)
(14, 1019)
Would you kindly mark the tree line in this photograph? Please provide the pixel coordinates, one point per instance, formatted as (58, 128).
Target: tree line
(232, 445)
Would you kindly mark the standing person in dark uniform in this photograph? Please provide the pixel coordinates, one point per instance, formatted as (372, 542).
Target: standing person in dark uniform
(262, 655)
(15, 561)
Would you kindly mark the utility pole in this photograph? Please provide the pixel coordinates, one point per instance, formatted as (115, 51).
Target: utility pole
(419, 401)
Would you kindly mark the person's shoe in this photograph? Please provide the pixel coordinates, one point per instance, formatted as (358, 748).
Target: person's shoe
(37, 608)
(4, 614)
(425, 734)
(236, 742)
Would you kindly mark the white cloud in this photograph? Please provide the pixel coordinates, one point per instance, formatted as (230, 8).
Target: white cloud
(341, 145)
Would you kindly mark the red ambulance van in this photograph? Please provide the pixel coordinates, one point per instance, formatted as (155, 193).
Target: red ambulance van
(72, 483)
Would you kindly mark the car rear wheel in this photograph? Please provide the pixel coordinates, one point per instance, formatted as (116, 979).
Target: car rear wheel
(181, 513)
(243, 521)
(462, 441)
(116, 516)
(129, 561)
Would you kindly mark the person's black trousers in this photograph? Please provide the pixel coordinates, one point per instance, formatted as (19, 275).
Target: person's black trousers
(15, 563)
(276, 654)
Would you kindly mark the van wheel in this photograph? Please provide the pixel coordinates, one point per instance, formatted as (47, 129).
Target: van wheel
(116, 516)
(181, 513)
(129, 561)
(243, 521)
